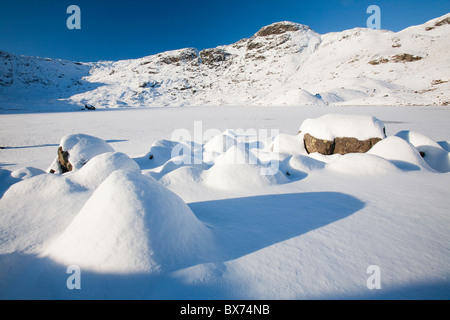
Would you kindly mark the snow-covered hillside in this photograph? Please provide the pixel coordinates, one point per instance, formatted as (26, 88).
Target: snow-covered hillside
(282, 64)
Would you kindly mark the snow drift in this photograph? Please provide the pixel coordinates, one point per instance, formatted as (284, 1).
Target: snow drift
(132, 224)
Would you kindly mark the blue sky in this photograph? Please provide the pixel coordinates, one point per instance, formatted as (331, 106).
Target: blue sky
(114, 30)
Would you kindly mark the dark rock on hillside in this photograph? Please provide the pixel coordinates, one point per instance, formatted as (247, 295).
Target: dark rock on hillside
(89, 107)
(184, 55)
(439, 24)
(405, 57)
(278, 28)
(213, 57)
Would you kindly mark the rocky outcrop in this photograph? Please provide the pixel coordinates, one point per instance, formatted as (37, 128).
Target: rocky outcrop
(278, 28)
(404, 57)
(177, 57)
(438, 24)
(213, 57)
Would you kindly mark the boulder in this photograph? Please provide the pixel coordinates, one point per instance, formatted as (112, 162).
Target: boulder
(322, 146)
(63, 159)
(353, 145)
(341, 134)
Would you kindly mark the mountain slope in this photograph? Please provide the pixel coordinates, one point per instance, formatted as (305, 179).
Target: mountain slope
(284, 63)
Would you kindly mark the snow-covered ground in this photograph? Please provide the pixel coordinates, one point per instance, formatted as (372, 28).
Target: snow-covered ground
(287, 225)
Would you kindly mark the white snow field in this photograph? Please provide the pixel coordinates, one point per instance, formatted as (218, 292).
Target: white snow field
(224, 203)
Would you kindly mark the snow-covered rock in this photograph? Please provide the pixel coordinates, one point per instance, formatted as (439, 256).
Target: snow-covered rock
(76, 150)
(341, 133)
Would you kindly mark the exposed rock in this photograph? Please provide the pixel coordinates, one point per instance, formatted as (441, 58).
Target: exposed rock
(89, 107)
(405, 57)
(63, 159)
(183, 55)
(340, 145)
(313, 144)
(353, 145)
(278, 28)
(437, 81)
(378, 61)
(254, 45)
(213, 57)
(442, 22)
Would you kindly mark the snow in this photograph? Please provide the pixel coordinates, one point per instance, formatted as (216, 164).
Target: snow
(399, 152)
(363, 164)
(434, 154)
(225, 227)
(131, 224)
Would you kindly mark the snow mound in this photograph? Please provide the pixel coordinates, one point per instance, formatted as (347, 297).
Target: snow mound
(237, 154)
(239, 168)
(220, 143)
(300, 165)
(331, 126)
(26, 173)
(187, 176)
(59, 199)
(362, 164)
(160, 152)
(176, 163)
(241, 177)
(132, 224)
(445, 145)
(81, 149)
(401, 153)
(35, 210)
(101, 166)
(433, 153)
(289, 144)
